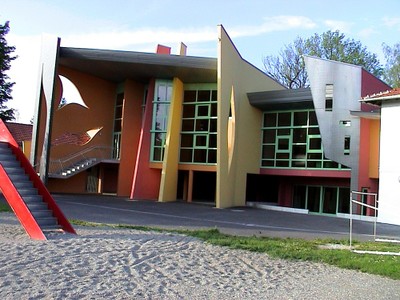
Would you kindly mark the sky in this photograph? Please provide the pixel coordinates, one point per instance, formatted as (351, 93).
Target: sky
(258, 28)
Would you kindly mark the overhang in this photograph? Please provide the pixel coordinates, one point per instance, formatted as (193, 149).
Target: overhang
(373, 115)
(282, 99)
(117, 66)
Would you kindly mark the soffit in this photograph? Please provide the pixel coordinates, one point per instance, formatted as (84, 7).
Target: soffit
(282, 99)
(117, 66)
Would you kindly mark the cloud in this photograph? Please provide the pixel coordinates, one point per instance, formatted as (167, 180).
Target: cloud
(273, 24)
(391, 21)
(342, 26)
(141, 38)
(367, 32)
(125, 39)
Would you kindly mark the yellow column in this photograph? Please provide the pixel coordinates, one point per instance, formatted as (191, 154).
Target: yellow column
(169, 175)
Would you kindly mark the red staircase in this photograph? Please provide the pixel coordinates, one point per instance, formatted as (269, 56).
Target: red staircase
(26, 194)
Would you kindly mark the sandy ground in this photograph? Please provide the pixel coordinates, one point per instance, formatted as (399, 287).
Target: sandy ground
(103, 263)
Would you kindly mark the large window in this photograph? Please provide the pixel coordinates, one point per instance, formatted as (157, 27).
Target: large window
(161, 103)
(199, 126)
(322, 199)
(291, 139)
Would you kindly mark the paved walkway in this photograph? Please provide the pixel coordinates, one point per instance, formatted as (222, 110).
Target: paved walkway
(238, 221)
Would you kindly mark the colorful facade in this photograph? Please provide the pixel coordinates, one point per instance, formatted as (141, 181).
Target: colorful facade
(389, 163)
(168, 127)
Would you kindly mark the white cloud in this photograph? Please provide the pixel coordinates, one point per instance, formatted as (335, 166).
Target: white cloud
(273, 24)
(139, 39)
(342, 26)
(391, 21)
(367, 32)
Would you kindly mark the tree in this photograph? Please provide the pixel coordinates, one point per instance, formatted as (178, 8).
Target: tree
(289, 69)
(6, 114)
(391, 72)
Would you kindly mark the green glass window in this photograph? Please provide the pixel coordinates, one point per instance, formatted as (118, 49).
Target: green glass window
(199, 125)
(161, 103)
(321, 199)
(291, 139)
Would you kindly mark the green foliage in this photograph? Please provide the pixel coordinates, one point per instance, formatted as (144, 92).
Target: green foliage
(391, 73)
(6, 114)
(4, 207)
(289, 69)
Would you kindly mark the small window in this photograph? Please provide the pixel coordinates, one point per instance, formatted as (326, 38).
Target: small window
(347, 145)
(345, 123)
(328, 97)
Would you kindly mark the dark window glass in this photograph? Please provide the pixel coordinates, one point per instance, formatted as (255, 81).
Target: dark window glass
(189, 96)
(202, 110)
(187, 125)
(212, 156)
(212, 141)
(188, 110)
(284, 119)
(186, 155)
(315, 144)
(270, 120)
(312, 118)
(202, 125)
(269, 136)
(214, 95)
(186, 140)
(200, 155)
(203, 96)
(300, 118)
(299, 197)
(299, 135)
(268, 152)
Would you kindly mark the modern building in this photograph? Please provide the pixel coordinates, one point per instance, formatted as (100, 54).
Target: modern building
(166, 127)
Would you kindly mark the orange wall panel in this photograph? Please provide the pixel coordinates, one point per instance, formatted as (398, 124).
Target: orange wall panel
(73, 185)
(131, 126)
(99, 95)
(374, 148)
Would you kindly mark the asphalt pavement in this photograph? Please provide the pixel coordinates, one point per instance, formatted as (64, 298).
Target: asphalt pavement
(244, 221)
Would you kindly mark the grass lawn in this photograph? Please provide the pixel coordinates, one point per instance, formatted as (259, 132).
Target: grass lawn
(298, 249)
(4, 207)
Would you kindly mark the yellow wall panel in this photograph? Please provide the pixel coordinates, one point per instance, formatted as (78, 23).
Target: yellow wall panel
(237, 77)
(169, 175)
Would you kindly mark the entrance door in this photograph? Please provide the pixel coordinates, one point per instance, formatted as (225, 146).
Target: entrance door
(329, 200)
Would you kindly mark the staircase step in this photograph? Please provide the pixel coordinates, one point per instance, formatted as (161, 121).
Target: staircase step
(51, 227)
(33, 206)
(27, 191)
(45, 221)
(23, 184)
(33, 198)
(10, 164)
(19, 177)
(6, 156)
(41, 213)
(15, 170)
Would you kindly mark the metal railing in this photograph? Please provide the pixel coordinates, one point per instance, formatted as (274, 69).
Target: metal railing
(375, 208)
(58, 166)
(362, 204)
